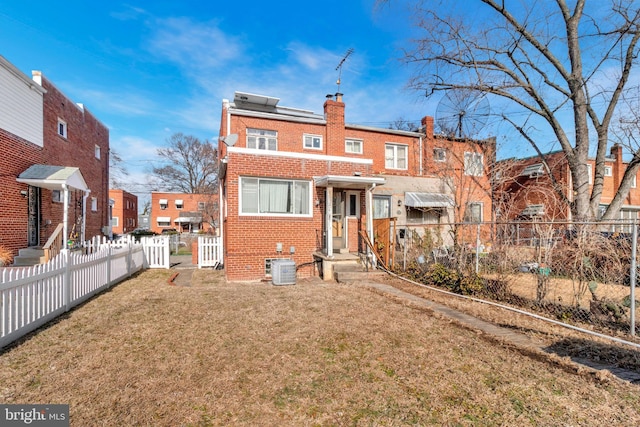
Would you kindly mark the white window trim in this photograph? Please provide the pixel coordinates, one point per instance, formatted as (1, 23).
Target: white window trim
(396, 146)
(633, 182)
(608, 171)
(444, 154)
(481, 204)
(281, 215)
(94, 204)
(360, 143)
(348, 204)
(62, 125)
(311, 136)
(258, 135)
(97, 152)
(473, 156)
(590, 173)
(115, 221)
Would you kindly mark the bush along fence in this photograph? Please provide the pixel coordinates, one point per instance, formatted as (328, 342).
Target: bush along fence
(32, 296)
(578, 273)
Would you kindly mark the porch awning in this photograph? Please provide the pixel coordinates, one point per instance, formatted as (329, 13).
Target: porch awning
(53, 177)
(427, 200)
(346, 181)
(533, 210)
(534, 170)
(189, 217)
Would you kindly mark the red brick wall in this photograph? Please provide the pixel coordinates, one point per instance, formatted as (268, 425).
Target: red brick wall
(84, 133)
(126, 210)
(190, 204)
(18, 155)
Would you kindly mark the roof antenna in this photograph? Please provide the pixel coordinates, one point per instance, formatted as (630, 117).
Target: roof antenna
(339, 67)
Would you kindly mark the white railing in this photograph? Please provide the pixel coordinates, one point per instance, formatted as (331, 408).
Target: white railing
(209, 251)
(32, 296)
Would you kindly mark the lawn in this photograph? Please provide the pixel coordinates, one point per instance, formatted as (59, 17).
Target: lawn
(147, 353)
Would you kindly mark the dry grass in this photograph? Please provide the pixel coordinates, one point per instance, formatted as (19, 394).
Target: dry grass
(146, 353)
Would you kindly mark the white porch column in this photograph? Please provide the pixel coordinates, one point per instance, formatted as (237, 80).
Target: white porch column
(328, 219)
(369, 211)
(84, 215)
(65, 214)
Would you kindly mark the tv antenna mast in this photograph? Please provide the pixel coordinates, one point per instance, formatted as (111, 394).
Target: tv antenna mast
(339, 67)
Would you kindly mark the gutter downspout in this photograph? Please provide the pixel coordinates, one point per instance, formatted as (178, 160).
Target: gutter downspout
(84, 215)
(421, 156)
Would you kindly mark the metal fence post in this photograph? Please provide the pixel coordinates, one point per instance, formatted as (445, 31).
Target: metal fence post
(632, 275)
(477, 248)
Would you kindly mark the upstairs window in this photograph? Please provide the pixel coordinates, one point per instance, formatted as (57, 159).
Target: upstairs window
(608, 171)
(163, 204)
(261, 139)
(201, 206)
(179, 204)
(96, 152)
(94, 204)
(353, 146)
(395, 156)
(313, 142)
(439, 154)
(473, 164)
(62, 128)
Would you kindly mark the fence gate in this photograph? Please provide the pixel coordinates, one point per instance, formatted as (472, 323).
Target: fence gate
(209, 251)
(156, 251)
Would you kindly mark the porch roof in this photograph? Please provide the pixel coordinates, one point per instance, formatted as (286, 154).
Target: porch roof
(53, 177)
(346, 181)
(427, 200)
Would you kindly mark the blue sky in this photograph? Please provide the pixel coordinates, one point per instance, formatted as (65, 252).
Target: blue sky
(148, 70)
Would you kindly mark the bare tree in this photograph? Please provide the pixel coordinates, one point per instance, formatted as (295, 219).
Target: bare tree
(559, 64)
(117, 172)
(191, 166)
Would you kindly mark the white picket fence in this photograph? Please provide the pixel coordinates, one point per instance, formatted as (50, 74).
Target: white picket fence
(209, 251)
(32, 296)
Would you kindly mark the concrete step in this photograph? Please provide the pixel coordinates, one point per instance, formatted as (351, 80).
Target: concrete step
(358, 276)
(29, 256)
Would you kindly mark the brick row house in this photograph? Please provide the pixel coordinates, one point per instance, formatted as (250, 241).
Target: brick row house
(183, 212)
(55, 163)
(304, 186)
(527, 187)
(124, 211)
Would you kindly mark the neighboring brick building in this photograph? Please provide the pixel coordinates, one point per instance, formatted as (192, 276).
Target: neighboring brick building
(527, 188)
(124, 214)
(183, 212)
(51, 147)
(300, 185)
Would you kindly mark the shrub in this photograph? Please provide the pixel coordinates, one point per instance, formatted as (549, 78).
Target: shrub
(6, 256)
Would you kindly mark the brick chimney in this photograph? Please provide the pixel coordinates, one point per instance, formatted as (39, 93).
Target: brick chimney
(334, 115)
(427, 123)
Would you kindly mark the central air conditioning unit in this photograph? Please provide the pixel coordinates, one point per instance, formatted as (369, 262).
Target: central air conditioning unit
(283, 272)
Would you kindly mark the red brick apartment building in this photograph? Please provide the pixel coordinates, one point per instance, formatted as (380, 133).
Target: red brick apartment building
(124, 213)
(527, 187)
(53, 150)
(183, 212)
(299, 185)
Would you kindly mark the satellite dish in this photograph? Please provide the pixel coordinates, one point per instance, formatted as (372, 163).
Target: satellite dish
(462, 112)
(230, 140)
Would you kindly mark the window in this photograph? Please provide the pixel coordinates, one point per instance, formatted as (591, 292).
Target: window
(115, 221)
(94, 204)
(56, 196)
(179, 204)
(439, 154)
(608, 171)
(97, 152)
(423, 216)
(201, 206)
(163, 204)
(275, 197)
(590, 173)
(313, 142)
(395, 156)
(353, 146)
(633, 182)
(353, 203)
(473, 164)
(381, 207)
(261, 139)
(473, 213)
(62, 128)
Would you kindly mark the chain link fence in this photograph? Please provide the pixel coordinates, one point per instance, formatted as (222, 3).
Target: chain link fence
(579, 273)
